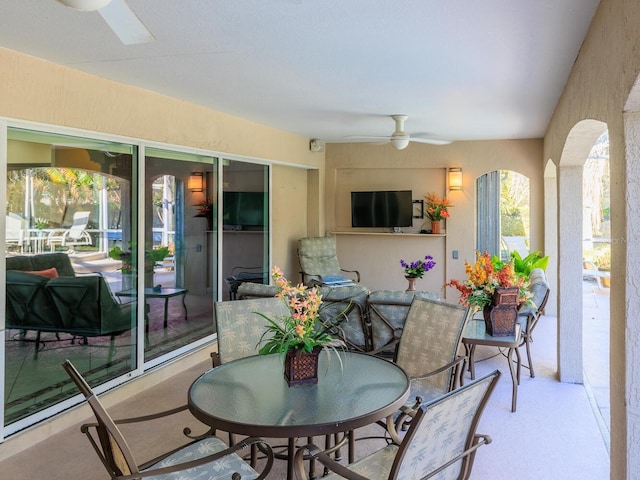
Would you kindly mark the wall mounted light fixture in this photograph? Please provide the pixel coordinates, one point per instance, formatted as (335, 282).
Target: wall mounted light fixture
(196, 182)
(455, 178)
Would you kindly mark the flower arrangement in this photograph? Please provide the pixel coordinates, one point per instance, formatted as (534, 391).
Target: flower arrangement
(298, 330)
(418, 268)
(205, 209)
(487, 274)
(437, 207)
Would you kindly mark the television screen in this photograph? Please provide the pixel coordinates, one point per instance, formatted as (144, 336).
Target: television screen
(243, 208)
(382, 209)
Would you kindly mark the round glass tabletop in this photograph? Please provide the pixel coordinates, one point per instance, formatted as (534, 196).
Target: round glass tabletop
(250, 396)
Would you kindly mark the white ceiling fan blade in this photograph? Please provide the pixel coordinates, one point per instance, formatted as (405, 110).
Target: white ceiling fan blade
(125, 24)
(368, 137)
(432, 141)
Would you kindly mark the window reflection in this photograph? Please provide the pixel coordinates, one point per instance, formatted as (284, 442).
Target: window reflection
(68, 201)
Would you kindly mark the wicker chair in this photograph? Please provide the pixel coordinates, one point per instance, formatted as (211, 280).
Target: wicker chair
(208, 458)
(440, 443)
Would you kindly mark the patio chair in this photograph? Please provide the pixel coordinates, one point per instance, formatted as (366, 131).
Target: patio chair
(440, 443)
(428, 353)
(319, 261)
(74, 235)
(204, 458)
(529, 315)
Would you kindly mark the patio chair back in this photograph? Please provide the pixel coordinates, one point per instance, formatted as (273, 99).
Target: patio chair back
(240, 328)
(430, 341)
(442, 440)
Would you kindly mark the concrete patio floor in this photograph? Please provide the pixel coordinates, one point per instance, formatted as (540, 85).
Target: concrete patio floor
(559, 431)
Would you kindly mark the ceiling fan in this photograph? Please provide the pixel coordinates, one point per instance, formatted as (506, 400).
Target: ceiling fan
(120, 18)
(400, 139)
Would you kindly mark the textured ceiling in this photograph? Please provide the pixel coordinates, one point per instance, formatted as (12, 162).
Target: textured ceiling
(461, 69)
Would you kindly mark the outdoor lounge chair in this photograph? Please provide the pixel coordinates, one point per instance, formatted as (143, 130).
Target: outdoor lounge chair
(319, 261)
(74, 235)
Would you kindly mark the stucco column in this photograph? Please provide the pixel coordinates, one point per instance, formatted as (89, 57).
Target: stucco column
(570, 274)
(625, 312)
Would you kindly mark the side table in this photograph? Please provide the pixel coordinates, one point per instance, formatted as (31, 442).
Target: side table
(475, 333)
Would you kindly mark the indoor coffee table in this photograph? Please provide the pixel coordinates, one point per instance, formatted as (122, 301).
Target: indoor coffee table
(250, 397)
(475, 333)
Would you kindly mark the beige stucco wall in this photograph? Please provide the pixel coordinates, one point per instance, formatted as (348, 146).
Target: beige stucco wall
(414, 169)
(598, 88)
(38, 91)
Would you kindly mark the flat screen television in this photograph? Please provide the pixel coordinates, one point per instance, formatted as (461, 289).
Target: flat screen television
(243, 208)
(382, 209)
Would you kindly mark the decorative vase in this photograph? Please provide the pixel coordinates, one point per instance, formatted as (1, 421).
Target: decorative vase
(301, 367)
(500, 317)
(435, 226)
(412, 284)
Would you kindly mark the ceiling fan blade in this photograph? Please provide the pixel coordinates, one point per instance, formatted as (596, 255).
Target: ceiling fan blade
(125, 24)
(368, 137)
(432, 141)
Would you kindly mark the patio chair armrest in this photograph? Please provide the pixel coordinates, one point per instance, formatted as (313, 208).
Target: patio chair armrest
(245, 443)
(478, 441)
(352, 271)
(315, 453)
(152, 416)
(393, 343)
(457, 363)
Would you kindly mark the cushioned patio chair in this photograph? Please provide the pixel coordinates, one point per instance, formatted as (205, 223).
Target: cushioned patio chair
(319, 260)
(343, 314)
(387, 312)
(440, 443)
(207, 458)
(428, 353)
(529, 315)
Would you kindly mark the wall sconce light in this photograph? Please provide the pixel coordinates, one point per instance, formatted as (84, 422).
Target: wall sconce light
(196, 182)
(455, 178)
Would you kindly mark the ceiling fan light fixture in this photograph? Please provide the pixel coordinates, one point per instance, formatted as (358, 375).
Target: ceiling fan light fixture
(85, 5)
(400, 143)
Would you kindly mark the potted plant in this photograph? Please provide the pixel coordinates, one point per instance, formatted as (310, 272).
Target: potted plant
(437, 209)
(416, 269)
(205, 210)
(297, 335)
(495, 288)
(128, 268)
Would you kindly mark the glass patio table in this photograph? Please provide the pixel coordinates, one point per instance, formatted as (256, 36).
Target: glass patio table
(250, 396)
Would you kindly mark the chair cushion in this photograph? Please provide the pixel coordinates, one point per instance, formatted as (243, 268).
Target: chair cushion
(220, 469)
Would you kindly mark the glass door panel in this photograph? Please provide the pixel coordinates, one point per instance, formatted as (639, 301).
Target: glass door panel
(180, 279)
(245, 218)
(68, 200)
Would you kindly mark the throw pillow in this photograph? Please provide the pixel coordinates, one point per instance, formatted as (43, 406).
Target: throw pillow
(49, 272)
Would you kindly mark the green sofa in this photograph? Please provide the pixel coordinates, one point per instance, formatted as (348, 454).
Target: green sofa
(42, 300)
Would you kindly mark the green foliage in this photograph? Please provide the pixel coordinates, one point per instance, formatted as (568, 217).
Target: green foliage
(523, 266)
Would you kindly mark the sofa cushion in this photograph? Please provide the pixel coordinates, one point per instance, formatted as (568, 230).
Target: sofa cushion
(60, 261)
(30, 305)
